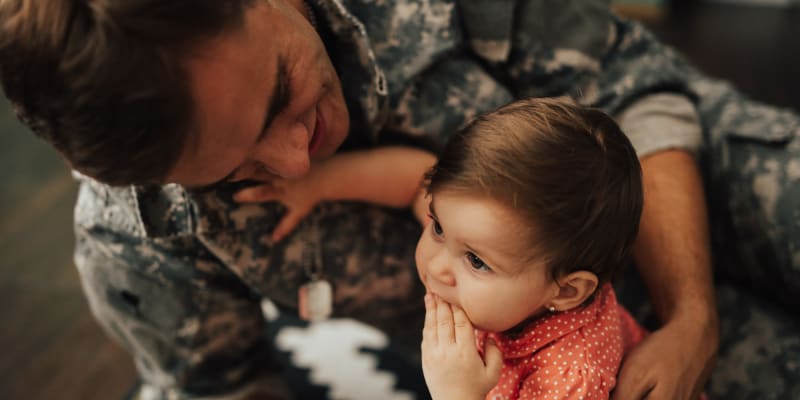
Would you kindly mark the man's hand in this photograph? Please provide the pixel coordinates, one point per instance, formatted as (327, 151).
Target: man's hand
(451, 364)
(672, 254)
(656, 370)
(300, 196)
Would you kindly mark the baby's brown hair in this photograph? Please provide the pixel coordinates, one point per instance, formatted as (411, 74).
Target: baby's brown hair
(567, 169)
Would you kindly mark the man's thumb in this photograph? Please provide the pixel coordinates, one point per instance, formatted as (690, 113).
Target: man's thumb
(493, 359)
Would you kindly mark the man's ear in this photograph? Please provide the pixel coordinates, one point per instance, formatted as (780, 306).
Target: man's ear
(574, 289)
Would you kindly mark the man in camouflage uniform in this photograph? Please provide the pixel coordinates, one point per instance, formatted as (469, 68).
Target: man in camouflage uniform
(176, 275)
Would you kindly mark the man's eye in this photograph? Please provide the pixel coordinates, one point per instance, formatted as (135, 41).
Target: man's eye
(437, 228)
(476, 262)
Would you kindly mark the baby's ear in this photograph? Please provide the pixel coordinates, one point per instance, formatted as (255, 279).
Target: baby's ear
(574, 289)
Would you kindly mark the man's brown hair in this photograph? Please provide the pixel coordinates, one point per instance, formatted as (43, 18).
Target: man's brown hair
(569, 171)
(102, 81)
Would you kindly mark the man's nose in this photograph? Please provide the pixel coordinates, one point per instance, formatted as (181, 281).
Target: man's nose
(286, 155)
(440, 269)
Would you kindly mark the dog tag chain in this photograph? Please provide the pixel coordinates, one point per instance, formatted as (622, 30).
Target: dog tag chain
(315, 297)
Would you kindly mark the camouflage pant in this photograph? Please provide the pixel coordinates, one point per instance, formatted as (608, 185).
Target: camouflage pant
(753, 187)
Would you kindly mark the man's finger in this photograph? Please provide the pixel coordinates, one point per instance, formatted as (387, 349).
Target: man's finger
(631, 384)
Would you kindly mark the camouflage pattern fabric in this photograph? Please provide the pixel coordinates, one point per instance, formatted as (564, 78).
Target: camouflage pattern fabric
(177, 277)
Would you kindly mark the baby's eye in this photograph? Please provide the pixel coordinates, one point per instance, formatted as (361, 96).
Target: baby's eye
(476, 262)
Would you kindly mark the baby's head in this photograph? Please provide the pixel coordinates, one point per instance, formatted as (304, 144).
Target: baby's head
(556, 191)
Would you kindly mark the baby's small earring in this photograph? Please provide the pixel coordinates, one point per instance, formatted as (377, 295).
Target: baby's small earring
(552, 309)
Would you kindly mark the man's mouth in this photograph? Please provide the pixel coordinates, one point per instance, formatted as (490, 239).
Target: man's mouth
(319, 134)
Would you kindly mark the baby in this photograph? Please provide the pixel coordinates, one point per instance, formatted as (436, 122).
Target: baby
(534, 208)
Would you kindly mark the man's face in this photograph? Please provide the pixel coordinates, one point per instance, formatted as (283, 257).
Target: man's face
(267, 101)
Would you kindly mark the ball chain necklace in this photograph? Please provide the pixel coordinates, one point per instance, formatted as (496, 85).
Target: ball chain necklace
(315, 297)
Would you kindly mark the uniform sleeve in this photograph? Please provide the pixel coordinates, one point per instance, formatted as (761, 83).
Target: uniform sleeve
(660, 122)
(193, 329)
(579, 48)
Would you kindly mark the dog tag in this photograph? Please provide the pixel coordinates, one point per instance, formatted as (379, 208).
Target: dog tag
(315, 300)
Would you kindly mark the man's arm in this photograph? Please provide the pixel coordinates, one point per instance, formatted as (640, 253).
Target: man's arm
(673, 256)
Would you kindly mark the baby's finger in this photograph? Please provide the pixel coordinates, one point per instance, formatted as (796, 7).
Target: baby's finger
(429, 329)
(258, 194)
(465, 333)
(287, 224)
(444, 322)
(493, 359)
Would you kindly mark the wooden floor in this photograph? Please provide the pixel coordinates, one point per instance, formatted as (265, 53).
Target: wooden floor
(51, 347)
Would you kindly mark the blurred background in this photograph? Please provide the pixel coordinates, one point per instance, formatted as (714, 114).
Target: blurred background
(52, 348)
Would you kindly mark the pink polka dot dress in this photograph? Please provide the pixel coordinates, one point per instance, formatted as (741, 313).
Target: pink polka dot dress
(567, 355)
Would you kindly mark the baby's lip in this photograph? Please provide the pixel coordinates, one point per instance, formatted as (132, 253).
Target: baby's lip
(437, 295)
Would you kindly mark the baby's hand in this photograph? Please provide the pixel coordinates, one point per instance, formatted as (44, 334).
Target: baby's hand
(300, 196)
(451, 364)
